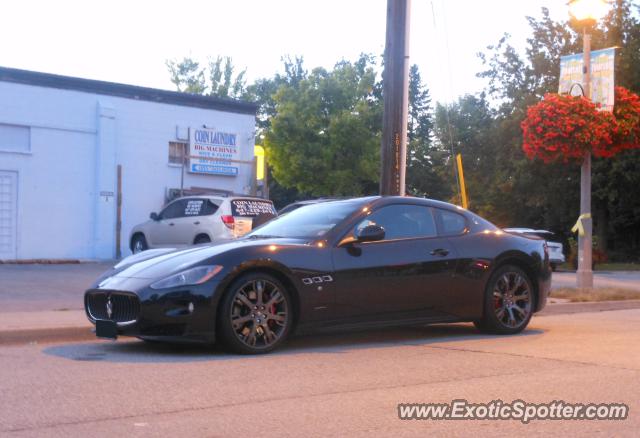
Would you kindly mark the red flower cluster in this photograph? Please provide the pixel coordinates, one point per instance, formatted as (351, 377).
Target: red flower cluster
(627, 114)
(565, 127)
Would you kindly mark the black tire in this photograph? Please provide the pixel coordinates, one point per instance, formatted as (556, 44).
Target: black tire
(509, 300)
(554, 267)
(202, 239)
(243, 302)
(139, 244)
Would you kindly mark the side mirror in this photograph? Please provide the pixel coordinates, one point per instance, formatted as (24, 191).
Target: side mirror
(370, 233)
(154, 216)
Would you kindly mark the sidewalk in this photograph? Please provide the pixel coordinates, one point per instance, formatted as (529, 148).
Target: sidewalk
(612, 279)
(44, 302)
(28, 288)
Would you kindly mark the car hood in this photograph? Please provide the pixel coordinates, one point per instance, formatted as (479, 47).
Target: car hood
(169, 261)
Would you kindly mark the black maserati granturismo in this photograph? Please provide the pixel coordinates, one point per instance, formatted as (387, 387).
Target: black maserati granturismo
(346, 264)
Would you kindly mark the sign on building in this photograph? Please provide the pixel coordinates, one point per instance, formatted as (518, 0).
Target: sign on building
(213, 152)
(602, 75)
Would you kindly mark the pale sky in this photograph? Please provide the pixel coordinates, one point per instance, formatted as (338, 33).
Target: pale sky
(129, 41)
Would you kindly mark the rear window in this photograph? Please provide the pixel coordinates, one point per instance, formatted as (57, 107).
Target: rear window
(251, 207)
(452, 223)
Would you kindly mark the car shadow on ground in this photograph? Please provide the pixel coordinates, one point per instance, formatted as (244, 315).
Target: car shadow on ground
(136, 351)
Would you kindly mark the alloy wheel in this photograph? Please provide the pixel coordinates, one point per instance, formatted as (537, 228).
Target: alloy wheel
(512, 300)
(259, 314)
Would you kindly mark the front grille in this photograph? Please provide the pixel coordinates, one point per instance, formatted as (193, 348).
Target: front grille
(124, 307)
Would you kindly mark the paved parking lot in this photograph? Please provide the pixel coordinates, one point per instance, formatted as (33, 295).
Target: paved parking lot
(340, 385)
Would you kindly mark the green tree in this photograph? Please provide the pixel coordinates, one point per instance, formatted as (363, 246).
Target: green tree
(187, 76)
(324, 138)
(217, 79)
(424, 158)
(531, 194)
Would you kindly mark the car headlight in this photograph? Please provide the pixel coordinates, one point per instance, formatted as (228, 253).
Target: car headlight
(197, 275)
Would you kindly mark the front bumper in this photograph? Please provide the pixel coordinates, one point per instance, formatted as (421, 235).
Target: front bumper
(185, 314)
(556, 258)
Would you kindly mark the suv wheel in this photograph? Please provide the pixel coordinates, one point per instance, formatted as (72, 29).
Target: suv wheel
(138, 244)
(201, 239)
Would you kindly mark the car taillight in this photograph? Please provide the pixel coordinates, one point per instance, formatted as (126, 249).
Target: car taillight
(228, 221)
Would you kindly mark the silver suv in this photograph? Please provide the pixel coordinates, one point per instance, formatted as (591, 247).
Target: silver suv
(200, 219)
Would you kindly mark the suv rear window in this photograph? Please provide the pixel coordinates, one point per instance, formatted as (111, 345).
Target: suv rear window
(251, 207)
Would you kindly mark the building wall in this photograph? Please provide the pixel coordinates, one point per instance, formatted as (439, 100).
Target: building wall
(67, 173)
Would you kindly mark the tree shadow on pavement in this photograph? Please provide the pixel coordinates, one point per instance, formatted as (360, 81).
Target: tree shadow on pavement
(135, 351)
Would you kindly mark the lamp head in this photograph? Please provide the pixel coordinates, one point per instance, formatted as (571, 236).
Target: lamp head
(588, 12)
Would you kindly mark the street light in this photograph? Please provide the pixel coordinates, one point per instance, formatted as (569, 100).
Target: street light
(586, 14)
(588, 10)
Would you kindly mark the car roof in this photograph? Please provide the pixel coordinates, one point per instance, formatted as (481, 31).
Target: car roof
(231, 198)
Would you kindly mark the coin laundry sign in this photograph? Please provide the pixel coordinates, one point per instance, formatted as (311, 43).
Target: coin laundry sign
(213, 152)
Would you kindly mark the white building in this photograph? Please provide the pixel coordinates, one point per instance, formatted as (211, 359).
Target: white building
(63, 139)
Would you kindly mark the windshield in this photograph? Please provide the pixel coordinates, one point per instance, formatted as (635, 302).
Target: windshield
(313, 220)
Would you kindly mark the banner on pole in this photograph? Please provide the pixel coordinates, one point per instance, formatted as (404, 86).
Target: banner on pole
(602, 75)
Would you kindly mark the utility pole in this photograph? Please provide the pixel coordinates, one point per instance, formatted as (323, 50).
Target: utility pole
(393, 152)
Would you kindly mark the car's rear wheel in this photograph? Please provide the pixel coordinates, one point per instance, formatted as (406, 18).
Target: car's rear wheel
(256, 314)
(508, 303)
(202, 239)
(139, 244)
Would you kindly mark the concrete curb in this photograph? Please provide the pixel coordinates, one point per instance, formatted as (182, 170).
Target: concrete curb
(44, 326)
(37, 336)
(597, 306)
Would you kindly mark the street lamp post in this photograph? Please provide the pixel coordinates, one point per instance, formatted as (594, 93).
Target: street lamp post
(586, 13)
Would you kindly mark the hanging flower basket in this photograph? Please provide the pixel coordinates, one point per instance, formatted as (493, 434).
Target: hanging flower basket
(562, 127)
(627, 114)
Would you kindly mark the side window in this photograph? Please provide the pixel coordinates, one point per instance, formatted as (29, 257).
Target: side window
(452, 223)
(402, 221)
(173, 210)
(208, 208)
(193, 207)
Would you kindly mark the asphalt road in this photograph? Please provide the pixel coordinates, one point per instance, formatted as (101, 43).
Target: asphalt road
(340, 385)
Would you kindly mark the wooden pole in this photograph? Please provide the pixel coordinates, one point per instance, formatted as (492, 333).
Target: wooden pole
(119, 213)
(393, 151)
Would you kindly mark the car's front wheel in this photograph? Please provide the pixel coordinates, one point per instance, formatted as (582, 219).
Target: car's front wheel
(508, 302)
(256, 314)
(139, 244)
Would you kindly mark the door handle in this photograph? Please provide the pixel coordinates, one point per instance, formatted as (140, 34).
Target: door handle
(196, 223)
(171, 224)
(440, 252)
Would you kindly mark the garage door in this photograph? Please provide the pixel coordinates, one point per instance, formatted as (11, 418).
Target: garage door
(8, 214)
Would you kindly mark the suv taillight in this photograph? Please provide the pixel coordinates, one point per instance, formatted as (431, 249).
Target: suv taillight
(228, 221)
